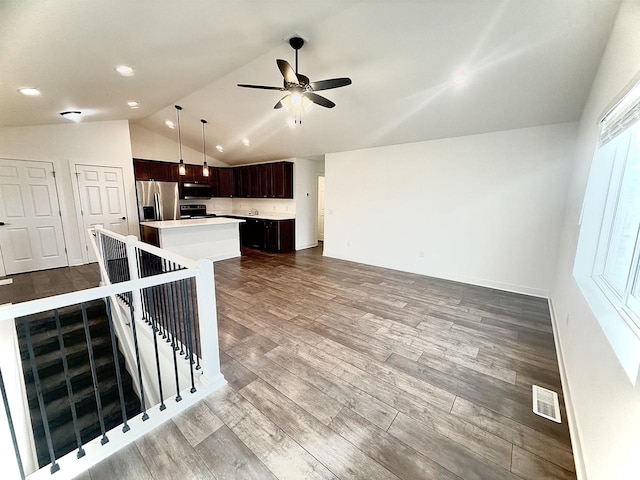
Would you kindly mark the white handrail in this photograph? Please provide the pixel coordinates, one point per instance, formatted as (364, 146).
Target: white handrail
(11, 311)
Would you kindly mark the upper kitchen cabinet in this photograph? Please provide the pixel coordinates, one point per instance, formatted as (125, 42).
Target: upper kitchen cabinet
(226, 187)
(152, 170)
(265, 180)
(282, 179)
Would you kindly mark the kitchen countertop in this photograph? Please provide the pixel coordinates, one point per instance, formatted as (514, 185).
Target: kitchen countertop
(191, 222)
(261, 216)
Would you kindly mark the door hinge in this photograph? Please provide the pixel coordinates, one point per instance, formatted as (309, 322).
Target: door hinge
(53, 172)
(87, 247)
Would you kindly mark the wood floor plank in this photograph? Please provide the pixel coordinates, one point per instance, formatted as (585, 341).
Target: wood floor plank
(387, 450)
(277, 450)
(236, 375)
(369, 407)
(451, 455)
(230, 459)
(368, 373)
(541, 445)
(168, 455)
(340, 456)
(124, 464)
(314, 401)
(197, 423)
(530, 467)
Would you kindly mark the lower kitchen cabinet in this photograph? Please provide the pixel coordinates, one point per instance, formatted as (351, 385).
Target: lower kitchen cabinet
(271, 235)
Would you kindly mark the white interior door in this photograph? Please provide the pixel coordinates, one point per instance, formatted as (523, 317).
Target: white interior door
(31, 237)
(102, 201)
(321, 208)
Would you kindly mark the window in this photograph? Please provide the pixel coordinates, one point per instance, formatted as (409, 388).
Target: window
(607, 262)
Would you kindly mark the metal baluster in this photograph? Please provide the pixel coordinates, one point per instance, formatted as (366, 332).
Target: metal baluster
(94, 375)
(11, 427)
(194, 310)
(167, 310)
(187, 320)
(116, 358)
(174, 347)
(43, 412)
(143, 406)
(67, 378)
(175, 295)
(155, 346)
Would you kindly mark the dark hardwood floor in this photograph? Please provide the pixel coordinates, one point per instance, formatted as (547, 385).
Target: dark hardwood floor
(342, 370)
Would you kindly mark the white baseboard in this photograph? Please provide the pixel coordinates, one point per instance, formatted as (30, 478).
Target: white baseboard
(480, 282)
(308, 245)
(571, 418)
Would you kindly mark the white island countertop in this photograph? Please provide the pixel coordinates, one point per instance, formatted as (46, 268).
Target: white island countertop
(191, 222)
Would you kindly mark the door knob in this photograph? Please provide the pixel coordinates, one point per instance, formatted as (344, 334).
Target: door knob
(123, 218)
(2, 224)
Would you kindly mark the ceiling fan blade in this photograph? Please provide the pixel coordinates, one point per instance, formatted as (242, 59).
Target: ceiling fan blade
(280, 104)
(287, 72)
(262, 87)
(303, 79)
(331, 83)
(317, 99)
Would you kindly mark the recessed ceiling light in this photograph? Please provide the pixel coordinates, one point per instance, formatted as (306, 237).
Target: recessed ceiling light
(124, 70)
(74, 115)
(220, 148)
(169, 124)
(246, 142)
(460, 78)
(29, 91)
(133, 104)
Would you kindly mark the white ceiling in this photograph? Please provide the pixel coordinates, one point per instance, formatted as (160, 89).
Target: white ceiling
(530, 62)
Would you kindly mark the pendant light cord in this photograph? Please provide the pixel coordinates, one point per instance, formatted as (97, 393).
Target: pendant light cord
(204, 143)
(178, 108)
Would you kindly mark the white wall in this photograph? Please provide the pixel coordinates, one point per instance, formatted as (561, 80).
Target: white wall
(605, 405)
(305, 193)
(102, 143)
(482, 209)
(152, 146)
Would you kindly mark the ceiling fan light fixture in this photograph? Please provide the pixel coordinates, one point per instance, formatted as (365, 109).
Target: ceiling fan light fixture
(205, 167)
(182, 169)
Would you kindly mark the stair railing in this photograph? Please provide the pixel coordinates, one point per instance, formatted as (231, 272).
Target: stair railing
(162, 316)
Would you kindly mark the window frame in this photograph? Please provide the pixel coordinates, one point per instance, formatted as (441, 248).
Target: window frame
(618, 312)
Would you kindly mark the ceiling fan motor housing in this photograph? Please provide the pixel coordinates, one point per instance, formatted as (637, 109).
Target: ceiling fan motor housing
(296, 43)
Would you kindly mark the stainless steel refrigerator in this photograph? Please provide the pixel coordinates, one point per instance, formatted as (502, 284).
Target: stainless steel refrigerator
(157, 200)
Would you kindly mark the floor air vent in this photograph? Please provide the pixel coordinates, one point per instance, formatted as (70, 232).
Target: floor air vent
(545, 403)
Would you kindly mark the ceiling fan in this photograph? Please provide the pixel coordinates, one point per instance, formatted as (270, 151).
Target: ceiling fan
(298, 86)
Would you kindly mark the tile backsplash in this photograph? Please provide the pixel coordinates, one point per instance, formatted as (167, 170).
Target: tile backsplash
(263, 205)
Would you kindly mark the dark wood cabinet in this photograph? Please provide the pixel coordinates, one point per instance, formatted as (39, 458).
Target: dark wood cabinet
(225, 183)
(282, 174)
(153, 170)
(272, 235)
(267, 180)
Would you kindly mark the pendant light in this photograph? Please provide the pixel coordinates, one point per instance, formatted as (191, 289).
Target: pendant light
(205, 167)
(182, 169)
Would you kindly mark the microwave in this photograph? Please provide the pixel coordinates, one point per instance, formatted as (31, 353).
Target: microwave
(195, 190)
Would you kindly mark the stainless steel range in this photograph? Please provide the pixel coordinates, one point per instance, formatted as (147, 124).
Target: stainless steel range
(195, 211)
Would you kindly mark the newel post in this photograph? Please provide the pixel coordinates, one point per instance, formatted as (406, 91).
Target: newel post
(208, 322)
(132, 260)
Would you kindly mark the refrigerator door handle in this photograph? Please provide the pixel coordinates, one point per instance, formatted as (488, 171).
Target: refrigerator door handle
(157, 206)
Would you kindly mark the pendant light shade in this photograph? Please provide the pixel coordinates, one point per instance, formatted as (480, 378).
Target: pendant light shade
(182, 169)
(205, 167)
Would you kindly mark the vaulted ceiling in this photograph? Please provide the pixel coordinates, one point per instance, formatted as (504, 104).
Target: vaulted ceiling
(527, 62)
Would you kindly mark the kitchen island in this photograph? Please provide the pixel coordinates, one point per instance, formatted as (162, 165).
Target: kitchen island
(213, 238)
